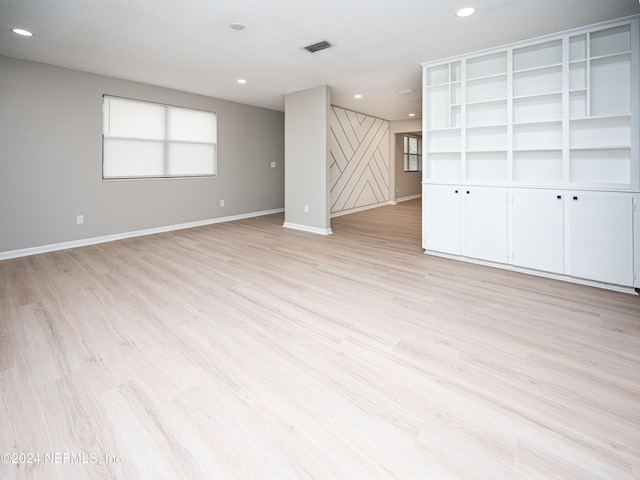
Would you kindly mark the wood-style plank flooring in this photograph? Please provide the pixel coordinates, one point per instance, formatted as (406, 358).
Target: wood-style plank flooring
(248, 351)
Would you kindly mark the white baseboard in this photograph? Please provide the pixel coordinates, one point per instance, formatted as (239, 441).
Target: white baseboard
(360, 209)
(307, 228)
(537, 273)
(137, 233)
(410, 197)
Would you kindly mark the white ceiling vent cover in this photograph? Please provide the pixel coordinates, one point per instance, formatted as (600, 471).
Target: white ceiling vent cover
(316, 47)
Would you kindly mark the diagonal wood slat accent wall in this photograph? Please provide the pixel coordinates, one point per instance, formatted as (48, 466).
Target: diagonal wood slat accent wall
(359, 146)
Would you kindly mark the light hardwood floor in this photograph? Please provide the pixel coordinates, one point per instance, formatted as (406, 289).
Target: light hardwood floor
(248, 351)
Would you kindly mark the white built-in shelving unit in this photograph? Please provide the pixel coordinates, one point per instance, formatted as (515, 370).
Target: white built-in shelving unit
(554, 118)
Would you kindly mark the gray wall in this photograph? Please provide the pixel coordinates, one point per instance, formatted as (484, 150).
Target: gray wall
(407, 184)
(51, 171)
(307, 159)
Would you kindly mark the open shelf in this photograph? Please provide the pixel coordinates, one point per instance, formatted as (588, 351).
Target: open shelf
(592, 166)
(438, 102)
(537, 136)
(487, 166)
(553, 113)
(487, 113)
(455, 69)
(438, 75)
(456, 116)
(610, 41)
(578, 47)
(486, 65)
(538, 81)
(538, 108)
(448, 140)
(600, 132)
(444, 166)
(538, 55)
(487, 89)
(538, 167)
(578, 75)
(456, 93)
(488, 138)
(611, 85)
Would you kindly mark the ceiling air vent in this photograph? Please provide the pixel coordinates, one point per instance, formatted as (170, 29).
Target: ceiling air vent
(316, 47)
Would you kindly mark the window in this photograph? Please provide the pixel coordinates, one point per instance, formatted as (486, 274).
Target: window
(150, 140)
(412, 154)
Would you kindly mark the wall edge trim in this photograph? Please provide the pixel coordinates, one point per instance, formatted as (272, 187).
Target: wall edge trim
(54, 247)
(307, 228)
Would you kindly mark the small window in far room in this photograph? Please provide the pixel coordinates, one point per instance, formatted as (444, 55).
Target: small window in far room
(412, 153)
(151, 140)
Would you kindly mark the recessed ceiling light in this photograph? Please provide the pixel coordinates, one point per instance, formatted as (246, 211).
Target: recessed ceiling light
(237, 26)
(22, 31)
(465, 12)
(412, 114)
(357, 95)
(405, 91)
(242, 81)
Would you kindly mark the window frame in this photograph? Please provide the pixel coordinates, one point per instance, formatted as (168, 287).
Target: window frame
(407, 154)
(166, 142)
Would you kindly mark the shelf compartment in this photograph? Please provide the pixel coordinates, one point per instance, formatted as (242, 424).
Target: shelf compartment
(578, 47)
(578, 104)
(600, 132)
(438, 102)
(538, 55)
(486, 166)
(456, 71)
(578, 75)
(456, 116)
(438, 75)
(443, 140)
(456, 93)
(487, 89)
(532, 136)
(601, 166)
(487, 113)
(537, 167)
(444, 166)
(538, 108)
(611, 85)
(487, 65)
(610, 41)
(538, 82)
(486, 138)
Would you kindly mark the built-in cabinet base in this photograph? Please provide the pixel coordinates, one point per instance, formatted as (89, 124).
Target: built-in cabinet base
(586, 235)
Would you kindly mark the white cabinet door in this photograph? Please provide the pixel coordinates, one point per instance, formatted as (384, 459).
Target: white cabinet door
(486, 223)
(441, 210)
(537, 230)
(601, 237)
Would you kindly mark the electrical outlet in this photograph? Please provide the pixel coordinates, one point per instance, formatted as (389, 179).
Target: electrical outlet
(222, 203)
(273, 164)
(79, 219)
(306, 209)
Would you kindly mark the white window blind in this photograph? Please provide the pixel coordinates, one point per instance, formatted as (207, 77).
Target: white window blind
(143, 139)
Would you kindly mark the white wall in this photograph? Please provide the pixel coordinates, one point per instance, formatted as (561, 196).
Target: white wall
(51, 160)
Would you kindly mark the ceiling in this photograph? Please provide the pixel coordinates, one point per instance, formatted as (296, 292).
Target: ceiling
(188, 44)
